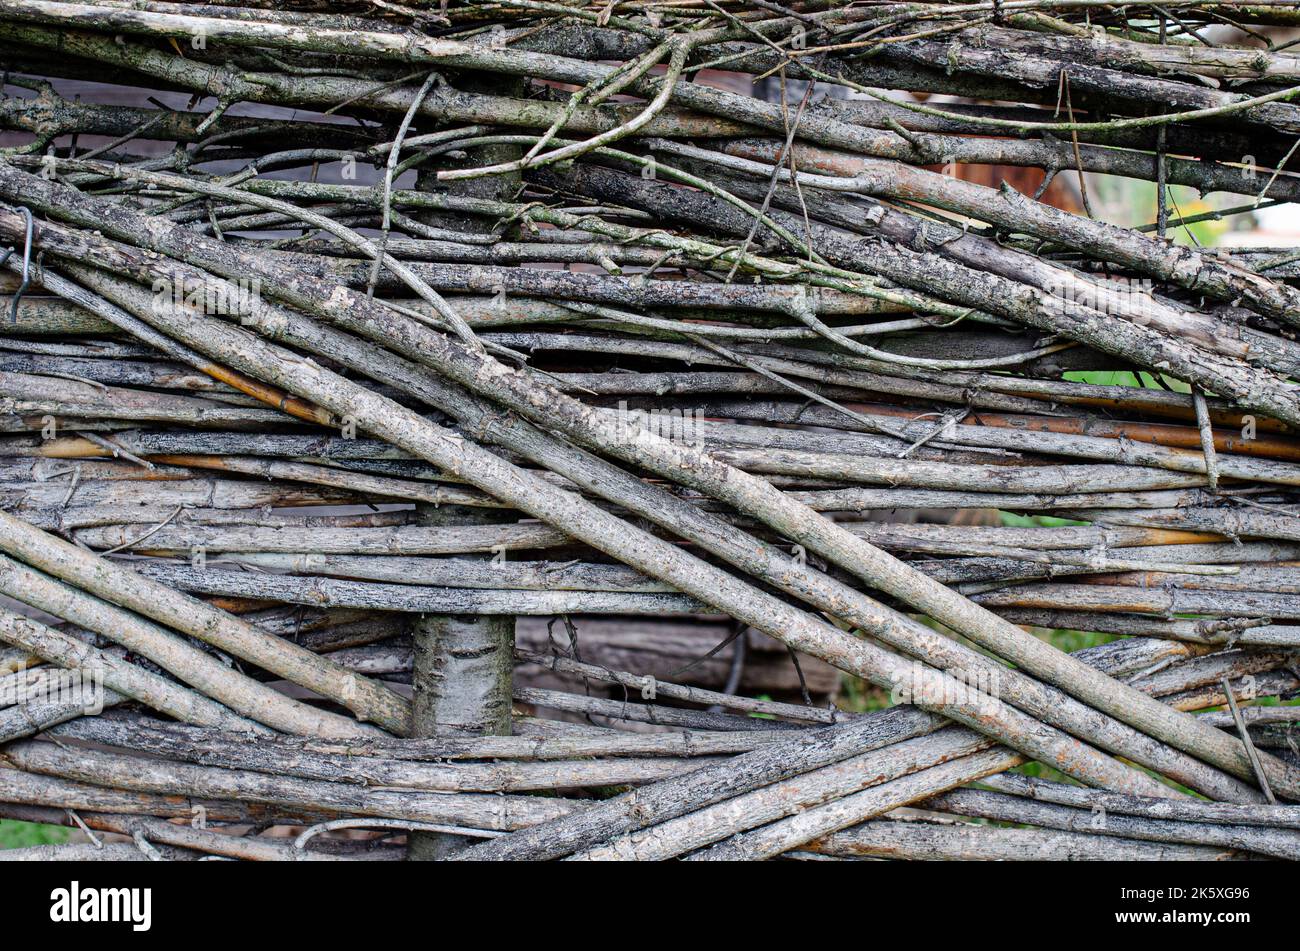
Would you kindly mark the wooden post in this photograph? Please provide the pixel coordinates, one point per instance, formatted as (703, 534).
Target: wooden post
(463, 663)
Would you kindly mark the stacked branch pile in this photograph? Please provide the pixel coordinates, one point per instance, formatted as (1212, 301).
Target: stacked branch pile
(500, 426)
